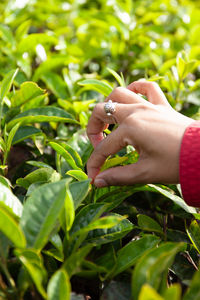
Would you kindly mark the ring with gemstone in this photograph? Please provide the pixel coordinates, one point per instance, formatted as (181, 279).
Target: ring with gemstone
(109, 107)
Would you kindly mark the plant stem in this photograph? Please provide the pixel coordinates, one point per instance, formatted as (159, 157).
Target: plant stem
(7, 274)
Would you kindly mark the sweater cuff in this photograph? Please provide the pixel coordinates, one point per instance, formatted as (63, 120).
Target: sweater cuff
(190, 165)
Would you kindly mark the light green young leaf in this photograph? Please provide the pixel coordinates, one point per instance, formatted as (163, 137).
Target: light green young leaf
(102, 223)
(78, 174)
(112, 162)
(6, 83)
(9, 226)
(10, 199)
(59, 286)
(29, 91)
(173, 292)
(74, 154)
(149, 293)
(41, 211)
(5, 182)
(69, 209)
(119, 78)
(32, 40)
(67, 156)
(96, 85)
(33, 263)
(193, 232)
(11, 136)
(39, 175)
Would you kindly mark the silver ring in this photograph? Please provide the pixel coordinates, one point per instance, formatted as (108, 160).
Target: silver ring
(109, 108)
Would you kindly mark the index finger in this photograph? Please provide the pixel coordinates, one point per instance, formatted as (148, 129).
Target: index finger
(99, 120)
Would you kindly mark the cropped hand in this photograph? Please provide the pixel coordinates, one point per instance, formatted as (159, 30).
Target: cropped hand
(152, 127)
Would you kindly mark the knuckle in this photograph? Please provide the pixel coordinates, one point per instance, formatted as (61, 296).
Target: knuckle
(152, 84)
(118, 91)
(97, 108)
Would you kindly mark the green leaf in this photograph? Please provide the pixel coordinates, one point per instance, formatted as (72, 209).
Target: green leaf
(179, 201)
(32, 40)
(117, 77)
(193, 292)
(69, 210)
(77, 174)
(11, 136)
(10, 200)
(38, 164)
(10, 227)
(152, 265)
(73, 262)
(64, 153)
(42, 114)
(5, 181)
(56, 84)
(86, 215)
(103, 236)
(79, 191)
(96, 85)
(59, 286)
(74, 154)
(193, 232)
(41, 211)
(129, 254)
(29, 91)
(32, 261)
(6, 83)
(102, 223)
(173, 292)
(80, 142)
(119, 290)
(149, 293)
(25, 132)
(39, 175)
(6, 34)
(112, 162)
(148, 224)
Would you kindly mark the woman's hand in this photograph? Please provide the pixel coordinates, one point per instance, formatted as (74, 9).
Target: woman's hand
(152, 127)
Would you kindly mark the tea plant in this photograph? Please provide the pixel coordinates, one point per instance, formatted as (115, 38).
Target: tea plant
(60, 237)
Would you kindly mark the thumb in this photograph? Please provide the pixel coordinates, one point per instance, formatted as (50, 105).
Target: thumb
(123, 175)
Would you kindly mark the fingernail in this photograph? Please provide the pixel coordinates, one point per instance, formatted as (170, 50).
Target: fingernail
(99, 182)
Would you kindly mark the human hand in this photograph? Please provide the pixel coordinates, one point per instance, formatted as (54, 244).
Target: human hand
(152, 127)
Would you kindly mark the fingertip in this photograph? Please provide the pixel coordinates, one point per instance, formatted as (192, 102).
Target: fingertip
(100, 182)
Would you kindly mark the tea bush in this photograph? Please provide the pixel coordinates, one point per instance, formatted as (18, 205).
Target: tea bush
(60, 237)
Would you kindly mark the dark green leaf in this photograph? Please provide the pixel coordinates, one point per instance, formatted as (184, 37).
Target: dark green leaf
(42, 114)
(41, 211)
(153, 264)
(148, 224)
(129, 254)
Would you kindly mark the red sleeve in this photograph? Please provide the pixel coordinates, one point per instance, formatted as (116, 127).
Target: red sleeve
(190, 165)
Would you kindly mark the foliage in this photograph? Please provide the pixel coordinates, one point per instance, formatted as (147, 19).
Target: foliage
(60, 237)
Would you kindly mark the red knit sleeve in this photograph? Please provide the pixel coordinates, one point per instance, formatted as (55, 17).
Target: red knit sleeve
(190, 165)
